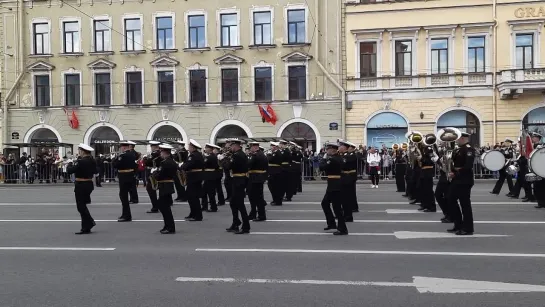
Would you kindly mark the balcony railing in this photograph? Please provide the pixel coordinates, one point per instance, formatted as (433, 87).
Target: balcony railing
(512, 83)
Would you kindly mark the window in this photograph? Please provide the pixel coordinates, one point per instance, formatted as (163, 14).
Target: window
(41, 38)
(197, 28)
(102, 35)
(133, 34)
(475, 54)
(103, 89)
(297, 83)
(165, 84)
(71, 36)
(72, 89)
(42, 91)
(439, 56)
(404, 58)
(263, 83)
(296, 27)
(165, 36)
(229, 30)
(262, 28)
(197, 84)
(368, 59)
(134, 87)
(229, 85)
(525, 51)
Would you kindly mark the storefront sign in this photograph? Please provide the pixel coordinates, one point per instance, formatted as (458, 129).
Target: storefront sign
(95, 141)
(387, 120)
(15, 135)
(333, 126)
(167, 139)
(386, 126)
(529, 12)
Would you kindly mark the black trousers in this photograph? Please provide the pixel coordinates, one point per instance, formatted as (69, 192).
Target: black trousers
(164, 205)
(133, 192)
(348, 199)
(300, 181)
(283, 184)
(98, 178)
(400, 177)
(334, 198)
(257, 200)
(275, 187)
(501, 180)
(126, 183)
(82, 192)
(427, 194)
(228, 186)
(461, 214)
(539, 192)
(237, 205)
(152, 195)
(441, 196)
(291, 184)
(209, 195)
(415, 185)
(522, 184)
(194, 190)
(180, 190)
(219, 191)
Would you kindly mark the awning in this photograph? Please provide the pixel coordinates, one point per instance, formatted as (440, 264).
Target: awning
(39, 144)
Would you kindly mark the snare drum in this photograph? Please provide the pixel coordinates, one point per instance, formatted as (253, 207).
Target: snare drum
(537, 162)
(531, 177)
(493, 160)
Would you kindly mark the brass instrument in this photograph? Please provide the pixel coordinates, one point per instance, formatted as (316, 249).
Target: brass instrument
(448, 136)
(430, 140)
(415, 139)
(153, 172)
(395, 147)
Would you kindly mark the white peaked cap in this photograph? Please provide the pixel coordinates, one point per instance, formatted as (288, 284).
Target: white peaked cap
(212, 146)
(131, 143)
(166, 146)
(86, 147)
(275, 143)
(195, 144)
(154, 143)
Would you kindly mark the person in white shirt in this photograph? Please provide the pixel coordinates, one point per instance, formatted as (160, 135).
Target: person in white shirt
(374, 159)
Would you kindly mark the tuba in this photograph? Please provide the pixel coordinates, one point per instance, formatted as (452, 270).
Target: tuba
(415, 140)
(430, 140)
(395, 147)
(448, 136)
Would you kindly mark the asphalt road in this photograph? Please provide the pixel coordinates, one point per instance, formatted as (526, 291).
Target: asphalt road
(390, 258)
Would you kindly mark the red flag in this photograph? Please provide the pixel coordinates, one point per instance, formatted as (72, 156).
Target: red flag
(73, 121)
(267, 114)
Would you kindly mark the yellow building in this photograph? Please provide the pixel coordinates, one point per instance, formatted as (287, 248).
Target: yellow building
(420, 65)
(170, 69)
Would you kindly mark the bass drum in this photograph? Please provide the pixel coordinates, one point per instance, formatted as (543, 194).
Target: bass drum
(537, 162)
(493, 160)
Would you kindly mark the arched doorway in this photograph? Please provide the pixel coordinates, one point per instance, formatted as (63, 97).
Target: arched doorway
(167, 133)
(386, 128)
(229, 131)
(534, 121)
(300, 133)
(42, 135)
(463, 120)
(103, 140)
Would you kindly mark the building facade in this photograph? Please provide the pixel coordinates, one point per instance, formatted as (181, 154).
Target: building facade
(166, 70)
(422, 65)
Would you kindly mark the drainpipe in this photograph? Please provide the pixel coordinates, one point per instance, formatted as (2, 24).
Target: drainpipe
(494, 76)
(326, 73)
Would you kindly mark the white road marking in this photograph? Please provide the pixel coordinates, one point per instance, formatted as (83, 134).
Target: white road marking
(58, 248)
(422, 284)
(247, 203)
(367, 252)
(403, 211)
(398, 234)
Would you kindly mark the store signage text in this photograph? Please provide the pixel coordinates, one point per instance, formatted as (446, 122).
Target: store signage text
(386, 126)
(96, 141)
(167, 139)
(529, 12)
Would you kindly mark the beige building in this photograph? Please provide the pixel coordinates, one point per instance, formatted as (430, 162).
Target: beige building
(158, 69)
(419, 65)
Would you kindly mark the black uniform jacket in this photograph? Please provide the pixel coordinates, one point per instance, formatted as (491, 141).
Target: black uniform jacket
(462, 160)
(275, 162)
(193, 167)
(296, 159)
(155, 159)
(83, 168)
(427, 164)
(257, 167)
(165, 176)
(211, 167)
(239, 168)
(125, 163)
(349, 168)
(286, 159)
(332, 166)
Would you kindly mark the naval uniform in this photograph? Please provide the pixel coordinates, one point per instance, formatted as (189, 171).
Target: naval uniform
(226, 164)
(408, 178)
(426, 181)
(150, 163)
(210, 176)
(508, 153)
(239, 169)
(257, 175)
(332, 166)
(125, 164)
(133, 198)
(84, 169)
(460, 189)
(165, 180)
(275, 177)
(193, 168)
(401, 167)
(521, 180)
(441, 191)
(415, 182)
(292, 175)
(287, 181)
(180, 157)
(349, 176)
(297, 161)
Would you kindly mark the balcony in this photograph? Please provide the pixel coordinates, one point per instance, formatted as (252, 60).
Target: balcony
(512, 83)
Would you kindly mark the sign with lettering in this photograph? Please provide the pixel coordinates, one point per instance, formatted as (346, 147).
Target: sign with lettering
(386, 126)
(15, 135)
(529, 12)
(333, 126)
(167, 139)
(97, 141)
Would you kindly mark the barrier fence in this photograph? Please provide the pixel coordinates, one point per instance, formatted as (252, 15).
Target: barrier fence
(36, 174)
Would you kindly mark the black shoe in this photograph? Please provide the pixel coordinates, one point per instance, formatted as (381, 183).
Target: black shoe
(124, 219)
(260, 219)
(509, 194)
(232, 229)
(464, 233)
(195, 219)
(340, 233)
(242, 231)
(355, 210)
(429, 210)
(453, 230)
(539, 207)
(414, 202)
(349, 219)
(275, 204)
(252, 215)
(525, 200)
(167, 231)
(212, 210)
(446, 221)
(181, 200)
(133, 202)
(287, 199)
(494, 193)
(421, 209)
(330, 227)
(153, 211)
(188, 217)
(405, 195)
(83, 232)
(228, 199)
